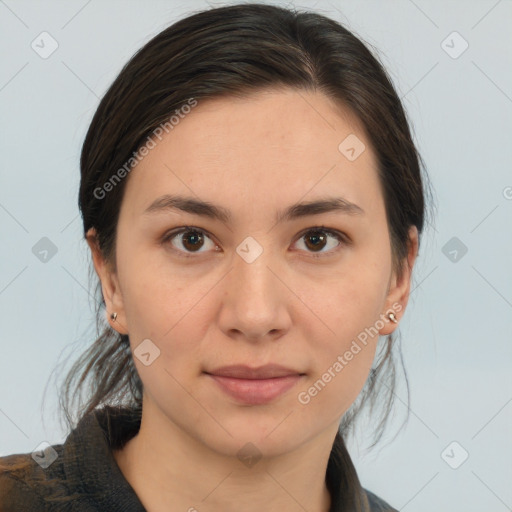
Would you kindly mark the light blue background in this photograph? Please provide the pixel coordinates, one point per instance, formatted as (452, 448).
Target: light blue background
(457, 330)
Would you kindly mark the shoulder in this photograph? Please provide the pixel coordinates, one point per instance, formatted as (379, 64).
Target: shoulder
(26, 485)
(80, 474)
(377, 504)
(15, 492)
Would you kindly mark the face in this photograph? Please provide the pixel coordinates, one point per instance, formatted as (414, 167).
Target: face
(255, 286)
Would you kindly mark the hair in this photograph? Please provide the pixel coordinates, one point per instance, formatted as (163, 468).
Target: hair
(211, 54)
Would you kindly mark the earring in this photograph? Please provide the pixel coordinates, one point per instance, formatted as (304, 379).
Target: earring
(392, 317)
(113, 316)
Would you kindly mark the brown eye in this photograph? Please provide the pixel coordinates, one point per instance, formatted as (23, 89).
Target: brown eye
(192, 240)
(189, 240)
(317, 239)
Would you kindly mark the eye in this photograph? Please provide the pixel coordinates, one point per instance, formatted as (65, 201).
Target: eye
(188, 240)
(318, 238)
(191, 238)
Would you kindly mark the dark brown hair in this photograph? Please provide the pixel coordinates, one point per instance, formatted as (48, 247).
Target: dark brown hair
(235, 51)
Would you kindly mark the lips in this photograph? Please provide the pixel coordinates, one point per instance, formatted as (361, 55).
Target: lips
(268, 371)
(255, 386)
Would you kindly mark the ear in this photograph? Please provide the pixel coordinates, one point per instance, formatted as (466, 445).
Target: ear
(400, 286)
(109, 284)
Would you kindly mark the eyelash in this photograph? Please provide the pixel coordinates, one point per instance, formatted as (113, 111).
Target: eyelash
(339, 236)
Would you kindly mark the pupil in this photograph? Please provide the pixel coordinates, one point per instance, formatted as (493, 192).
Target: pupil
(195, 237)
(317, 240)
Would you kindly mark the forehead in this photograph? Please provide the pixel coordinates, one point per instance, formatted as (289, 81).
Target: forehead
(273, 146)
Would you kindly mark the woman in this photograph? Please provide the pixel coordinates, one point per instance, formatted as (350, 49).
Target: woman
(253, 202)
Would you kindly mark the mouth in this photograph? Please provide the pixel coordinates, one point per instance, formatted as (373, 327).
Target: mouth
(255, 386)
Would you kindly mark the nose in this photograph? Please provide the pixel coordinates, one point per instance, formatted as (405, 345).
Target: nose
(255, 302)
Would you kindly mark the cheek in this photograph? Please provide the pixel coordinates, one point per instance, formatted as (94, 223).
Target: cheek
(346, 334)
(351, 300)
(341, 364)
(155, 293)
(173, 309)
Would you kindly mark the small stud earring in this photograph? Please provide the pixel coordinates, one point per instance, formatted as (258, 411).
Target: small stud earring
(113, 316)
(392, 317)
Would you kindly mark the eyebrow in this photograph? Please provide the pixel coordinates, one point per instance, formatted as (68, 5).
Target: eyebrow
(206, 209)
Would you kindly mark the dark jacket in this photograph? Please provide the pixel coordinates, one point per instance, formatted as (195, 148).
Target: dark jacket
(86, 469)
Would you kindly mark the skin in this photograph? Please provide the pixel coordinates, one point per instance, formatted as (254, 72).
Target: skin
(253, 156)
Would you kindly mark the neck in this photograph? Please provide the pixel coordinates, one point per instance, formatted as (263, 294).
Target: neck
(171, 471)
